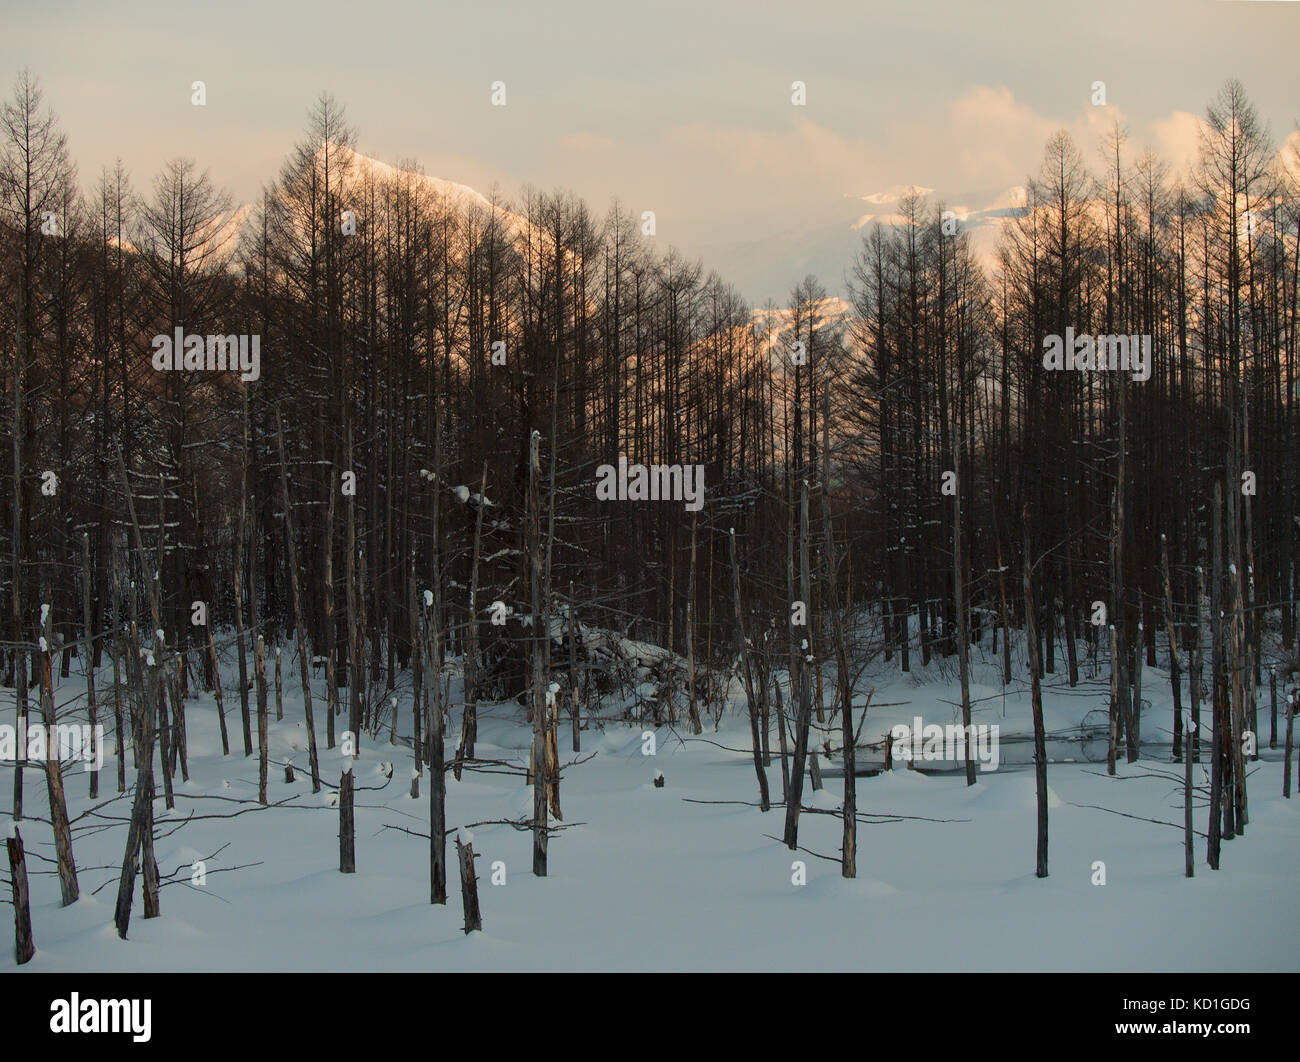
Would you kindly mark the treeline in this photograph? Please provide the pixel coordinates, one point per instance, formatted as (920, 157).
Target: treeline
(413, 339)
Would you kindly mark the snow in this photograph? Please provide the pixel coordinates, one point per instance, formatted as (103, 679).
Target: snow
(689, 877)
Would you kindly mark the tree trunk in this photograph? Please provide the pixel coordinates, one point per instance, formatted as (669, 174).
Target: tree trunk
(743, 648)
(1171, 630)
(356, 673)
(1189, 847)
(573, 671)
(24, 945)
(469, 722)
(88, 654)
(144, 725)
(538, 682)
(1218, 713)
(240, 659)
(18, 541)
(1286, 763)
(468, 886)
(800, 659)
(347, 825)
(67, 865)
(1036, 695)
(259, 659)
(216, 689)
(279, 687)
(331, 661)
(696, 728)
(959, 604)
(299, 624)
(1133, 732)
(1120, 639)
(437, 775)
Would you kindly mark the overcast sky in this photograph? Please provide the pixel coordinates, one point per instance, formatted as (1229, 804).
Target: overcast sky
(678, 107)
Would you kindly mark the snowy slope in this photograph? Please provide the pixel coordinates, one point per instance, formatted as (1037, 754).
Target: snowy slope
(688, 876)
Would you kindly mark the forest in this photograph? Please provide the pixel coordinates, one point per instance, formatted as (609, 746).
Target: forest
(357, 437)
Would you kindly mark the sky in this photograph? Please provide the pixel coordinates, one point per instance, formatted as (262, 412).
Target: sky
(683, 108)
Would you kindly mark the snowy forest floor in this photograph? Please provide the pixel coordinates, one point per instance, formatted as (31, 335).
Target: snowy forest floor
(690, 876)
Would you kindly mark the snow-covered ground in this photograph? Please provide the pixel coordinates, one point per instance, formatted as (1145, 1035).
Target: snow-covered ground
(692, 875)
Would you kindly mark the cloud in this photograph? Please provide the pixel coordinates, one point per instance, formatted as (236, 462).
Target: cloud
(1176, 139)
(991, 136)
(711, 182)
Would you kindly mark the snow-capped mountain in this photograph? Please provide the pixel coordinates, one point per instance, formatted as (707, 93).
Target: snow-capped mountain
(769, 266)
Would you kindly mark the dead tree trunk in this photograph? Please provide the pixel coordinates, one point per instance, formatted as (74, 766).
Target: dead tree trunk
(538, 692)
(115, 647)
(1239, 669)
(1113, 727)
(347, 825)
(437, 775)
(88, 654)
(216, 689)
(24, 946)
(1006, 617)
(1133, 732)
(1189, 848)
(849, 812)
(417, 674)
(800, 659)
(299, 624)
(240, 659)
(53, 768)
(18, 542)
(117, 714)
(1197, 666)
(696, 728)
(144, 724)
(1171, 631)
(259, 647)
(743, 648)
(1216, 683)
(576, 740)
(1036, 695)
(468, 886)
(469, 722)
(259, 661)
(356, 672)
(1120, 639)
(1286, 763)
(331, 664)
(148, 861)
(279, 687)
(1272, 708)
(959, 603)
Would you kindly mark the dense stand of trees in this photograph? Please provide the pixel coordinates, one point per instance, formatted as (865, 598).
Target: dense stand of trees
(414, 338)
